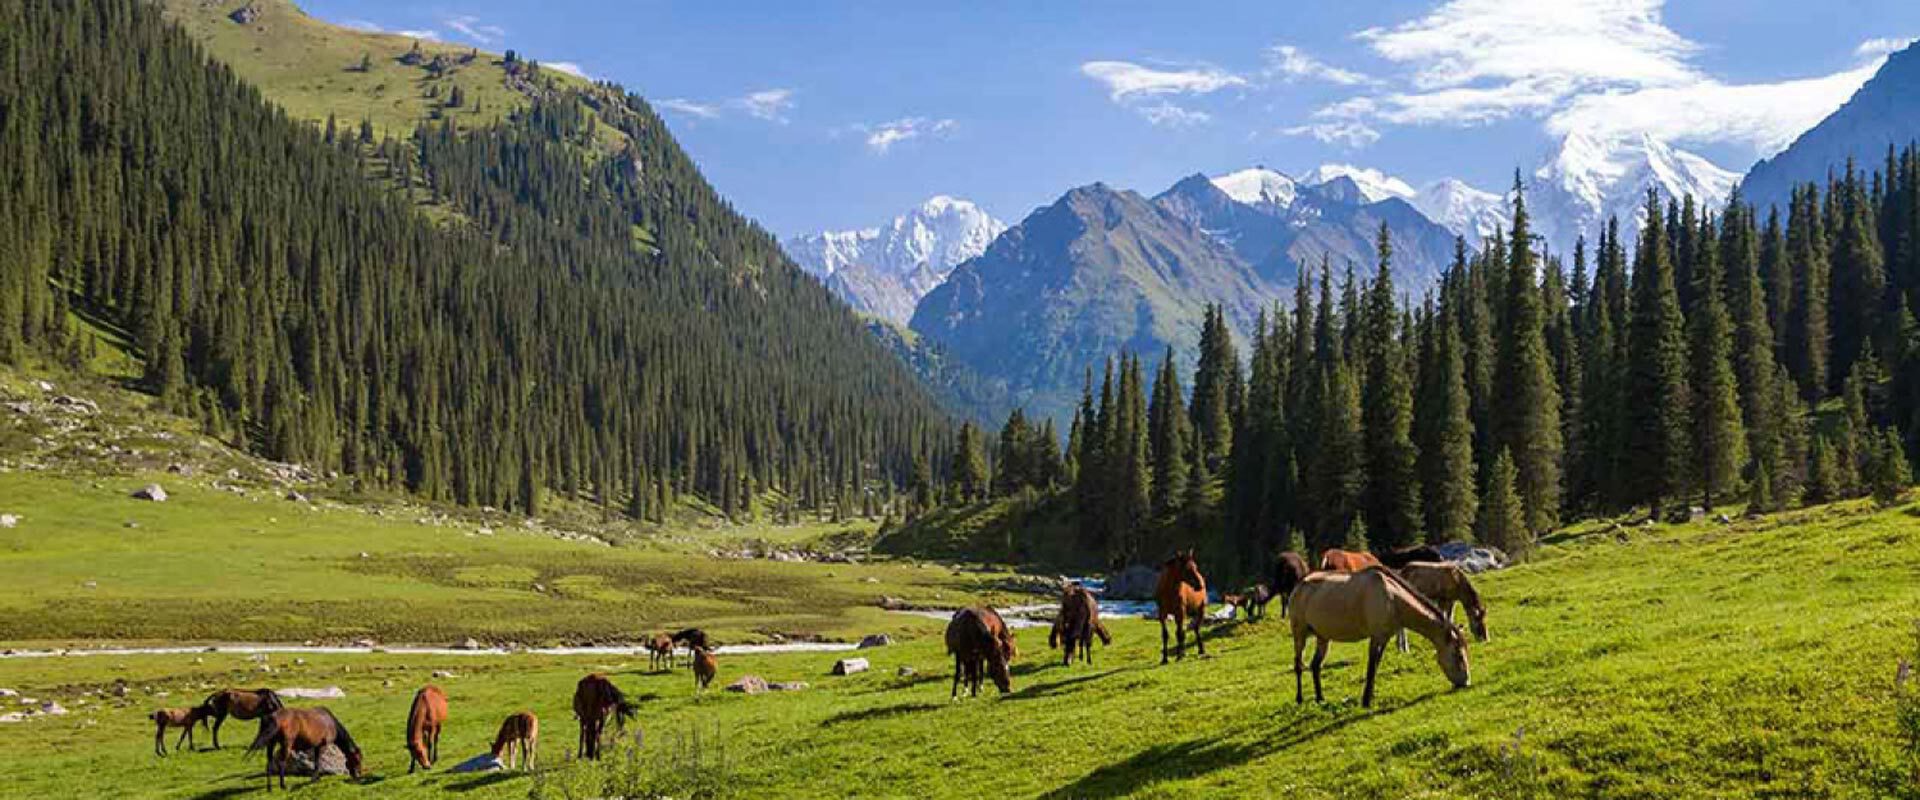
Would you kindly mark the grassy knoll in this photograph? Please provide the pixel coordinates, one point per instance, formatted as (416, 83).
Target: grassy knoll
(1746, 660)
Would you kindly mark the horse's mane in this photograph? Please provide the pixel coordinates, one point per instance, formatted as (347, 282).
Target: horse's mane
(1418, 598)
(1468, 594)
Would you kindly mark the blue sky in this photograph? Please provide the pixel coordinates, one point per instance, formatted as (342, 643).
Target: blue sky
(815, 115)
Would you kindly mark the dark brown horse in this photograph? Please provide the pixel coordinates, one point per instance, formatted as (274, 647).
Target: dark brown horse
(1288, 572)
(704, 668)
(1077, 624)
(981, 646)
(240, 704)
(182, 718)
(1402, 556)
(307, 730)
(423, 726)
(659, 648)
(520, 731)
(1338, 560)
(1182, 595)
(595, 699)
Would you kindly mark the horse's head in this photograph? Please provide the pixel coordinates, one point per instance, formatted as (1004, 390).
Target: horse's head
(1187, 567)
(1452, 655)
(997, 669)
(354, 765)
(1477, 620)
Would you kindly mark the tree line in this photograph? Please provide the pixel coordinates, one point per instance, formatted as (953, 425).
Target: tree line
(1724, 356)
(587, 318)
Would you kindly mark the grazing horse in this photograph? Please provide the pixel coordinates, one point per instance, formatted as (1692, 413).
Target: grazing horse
(1446, 584)
(1288, 572)
(240, 704)
(1078, 623)
(704, 668)
(1370, 605)
(595, 699)
(1182, 595)
(182, 718)
(981, 646)
(308, 730)
(1402, 556)
(1253, 601)
(423, 726)
(1338, 560)
(659, 648)
(520, 730)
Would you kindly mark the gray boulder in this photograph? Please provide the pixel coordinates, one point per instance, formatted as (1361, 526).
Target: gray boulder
(787, 686)
(485, 762)
(875, 640)
(332, 762)
(850, 666)
(1133, 583)
(748, 684)
(1472, 558)
(151, 491)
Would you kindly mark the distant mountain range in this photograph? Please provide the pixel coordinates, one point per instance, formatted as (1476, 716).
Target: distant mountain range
(884, 271)
(1884, 112)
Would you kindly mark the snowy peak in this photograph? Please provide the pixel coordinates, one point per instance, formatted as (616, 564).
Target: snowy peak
(888, 268)
(1259, 187)
(1469, 212)
(1374, 185)
(1590, 179)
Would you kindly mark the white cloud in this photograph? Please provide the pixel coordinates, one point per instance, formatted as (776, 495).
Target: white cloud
(1763, 116)
(689, 107)
(429, 35)
(882, 137)
(1570, 41)
(568, 67)
(471, 27)
(1168, 115)
(1887, 45)
(767, 104)
(1125, 80)
(1346, 133)
(1291, 63)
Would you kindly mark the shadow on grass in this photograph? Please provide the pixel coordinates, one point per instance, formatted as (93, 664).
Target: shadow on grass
(229, 791)
(1166, 762)
(881, 712)
(484, 781)
(1056, 687)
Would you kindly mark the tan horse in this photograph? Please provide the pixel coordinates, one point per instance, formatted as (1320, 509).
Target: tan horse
(595, 699)
(1371, 605)
(423, 727)
(1182, 595)
(1446, 584)
(704, 668)
(309, 730)
(520, 730)
(240, 704)
(182, 718)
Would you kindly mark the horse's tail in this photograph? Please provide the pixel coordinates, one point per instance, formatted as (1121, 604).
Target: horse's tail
(1053, 634)
(416, 743)
(341, 738)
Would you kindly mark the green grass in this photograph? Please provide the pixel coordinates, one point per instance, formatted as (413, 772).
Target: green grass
(1747, 660)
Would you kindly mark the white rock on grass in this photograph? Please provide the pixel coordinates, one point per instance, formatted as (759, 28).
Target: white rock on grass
(151, 491)
(748, 684)
(329, 693)
(9, 520)
(850, 666)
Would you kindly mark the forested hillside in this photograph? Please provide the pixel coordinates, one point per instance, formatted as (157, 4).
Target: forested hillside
(600, 324)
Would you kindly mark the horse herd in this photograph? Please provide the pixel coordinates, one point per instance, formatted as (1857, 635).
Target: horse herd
(1353, 597)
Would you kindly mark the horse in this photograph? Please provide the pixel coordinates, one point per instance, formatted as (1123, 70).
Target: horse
(1335, 559)
(183, 718)
(594, 699)
(423, 726)
(704, 668)
(1077, 624)
(305, 729)
(521, 730)
(981, 645)
(1372, 605)
(240, 704)
(691, 638)
(659, 648)
(1446, 584)
(1182, 595)
(1288, 571)
(1402, 556)
(1252, 601)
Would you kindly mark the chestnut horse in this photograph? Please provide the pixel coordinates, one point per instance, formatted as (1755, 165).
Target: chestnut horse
(1335, 559)
(1182, 595)
(659, 648)
(1371, 605)
(1288, 572)
(309, 730)
(240, 704)
(423, 726)
(183, 718)
(1446, 584)
(595, 699)
(521, 730)
(1077, 624)
(704, 668)
(981, 646)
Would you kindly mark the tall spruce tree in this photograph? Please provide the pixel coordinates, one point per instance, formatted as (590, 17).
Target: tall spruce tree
(1167, 436)
(1446, 453)
(1658, 426)
(1719, 439)
(1527, 420)
(1391, 500)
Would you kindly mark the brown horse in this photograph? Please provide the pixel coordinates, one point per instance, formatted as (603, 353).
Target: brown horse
(182, 718)
(1077, 624)
(240, 704)
(704, 668)
(1288, 572)
(981, 646)
(309, 730)
(1446, 584)
(1338, 560)
(1370, 605)
(1402, 556)
(659, 648)
(1252, 602)
(423, 726)
(1182, 595)
(595, 699)
(521, 730)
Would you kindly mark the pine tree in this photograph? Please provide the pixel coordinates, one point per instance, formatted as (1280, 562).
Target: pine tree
(1658, 435)
(1892, 473)
(1859, 277)
(1503, 517)
(969, 468)
(1338, 472)
(1392, 492)
(1215, 383)
(1719, 439)
(1527, 420)
(1167, 435)
(1446, 455)
(1012, 471)
(1807, 332)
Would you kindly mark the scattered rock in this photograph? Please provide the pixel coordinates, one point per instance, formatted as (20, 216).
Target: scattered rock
(1133, 583)
(869, 579)
(296, 497)
(332, 762)
(131, 524)
(894, 604)
(8, 520)
(119, 690)
(906, 672)
(299, 662)
(365, 642)
(9, 693)
(748, 684)
(444, 673)
(468, 643)
(43, 386)
(51, 708)
(485, 762)
(875, 640)
(363, 555)
(849, 666)
(258, 657)
(12, 716)
(386, 684)
(91, 584)
(1722, 519)
(329, 693)
(151, 491)
(787, 686)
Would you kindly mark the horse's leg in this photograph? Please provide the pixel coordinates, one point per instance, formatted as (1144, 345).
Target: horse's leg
(958, 667)
(1376, 648)
(1163, 640)
(1319, 656)
(1299, 644)
(1179, 638)
(160, 739)
(1197, 622)
(218, 720)
(1401, 639)
(186, 738)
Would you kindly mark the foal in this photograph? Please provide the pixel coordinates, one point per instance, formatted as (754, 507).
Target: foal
(183, 718)
(522, 731)
(704, 668)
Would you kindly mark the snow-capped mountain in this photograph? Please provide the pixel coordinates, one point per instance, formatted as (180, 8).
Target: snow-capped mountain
(885, 270)
(1374, 185)
(1260, 187)
(1588, 179)
(1885, 112)
(1469, 212)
